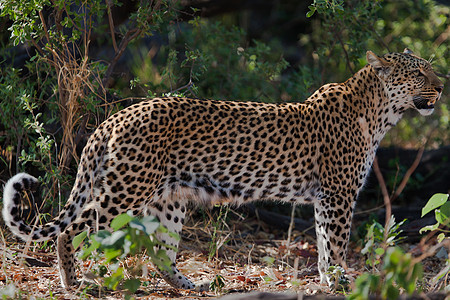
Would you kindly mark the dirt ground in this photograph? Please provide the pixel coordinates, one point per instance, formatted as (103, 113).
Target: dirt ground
(251, 257)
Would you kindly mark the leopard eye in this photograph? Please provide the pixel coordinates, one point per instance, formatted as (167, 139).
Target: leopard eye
(418, 73)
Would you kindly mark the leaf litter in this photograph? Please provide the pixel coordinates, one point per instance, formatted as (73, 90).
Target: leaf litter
(249, 257)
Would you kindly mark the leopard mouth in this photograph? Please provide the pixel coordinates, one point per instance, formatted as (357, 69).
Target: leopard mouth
(421, 102)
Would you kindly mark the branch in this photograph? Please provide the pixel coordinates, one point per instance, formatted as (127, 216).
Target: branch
(347, 59)
(408, 173)
(372, 28)
(384, 191)
(129, 36)
(186, 86)
(38, 48)
(446, 76)
(291, 226)
(41, 16)
(111, 26)
(388, 200)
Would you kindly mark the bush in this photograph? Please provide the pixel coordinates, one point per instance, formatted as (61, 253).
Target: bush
(131, 236)
(399, 271)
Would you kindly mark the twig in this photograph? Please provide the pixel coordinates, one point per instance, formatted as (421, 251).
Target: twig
(446, 76)
(129, 36)
(379, 38)
(38, 48)
(431, 250)
(347, 59)
(408, 173)
(388, 200)
(291, 225)
(189, 84)
(322, 74)
(44, 26)
(442, 37)
(384, 191)
(186, 86)
(111, 26)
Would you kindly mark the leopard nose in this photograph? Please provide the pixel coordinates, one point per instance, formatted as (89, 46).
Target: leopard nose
(439, 88)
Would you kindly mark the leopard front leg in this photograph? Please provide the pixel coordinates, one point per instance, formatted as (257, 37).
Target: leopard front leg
(333, 214)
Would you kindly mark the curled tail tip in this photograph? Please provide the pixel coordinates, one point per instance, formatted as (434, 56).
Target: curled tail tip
(12, 196)
(16, 185)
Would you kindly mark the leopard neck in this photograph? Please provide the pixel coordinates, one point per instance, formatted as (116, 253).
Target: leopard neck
(369, 99)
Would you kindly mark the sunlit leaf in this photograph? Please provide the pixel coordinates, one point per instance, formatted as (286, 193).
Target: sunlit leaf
(429, 228)
(435, 201)
(78, 239)
(440, 237)
(120, 221)
(114, 238)
(443, 214)
(379, 251)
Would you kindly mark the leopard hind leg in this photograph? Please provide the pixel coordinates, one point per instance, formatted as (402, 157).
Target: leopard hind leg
(171, 215)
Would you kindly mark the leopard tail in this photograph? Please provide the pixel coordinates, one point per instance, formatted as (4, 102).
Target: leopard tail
(13, 207)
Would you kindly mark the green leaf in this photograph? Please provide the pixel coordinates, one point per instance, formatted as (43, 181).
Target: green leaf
(116, 237)
(78, 239)
(113, 281)
(367, 247)
(312, 10)
(102, 270)
(435, 201)
(120, 221)
(87, 252)
(101, 235)
(443, 214)
(429, 228)
(148, 224)
(112, 254)
(268, 260)
(440, 237)
(174, 235)
(441, 274)
(391, 292)
(379, 251)
(132, 284)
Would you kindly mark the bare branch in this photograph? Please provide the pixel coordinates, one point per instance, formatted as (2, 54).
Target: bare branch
(384, 191)
(44, 26)
(129, 36)
(347, 59)
(446, 76)
(111, 26)
(408, 173)
(291, 226)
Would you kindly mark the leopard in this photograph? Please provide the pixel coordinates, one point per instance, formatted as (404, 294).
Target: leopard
(158, 155)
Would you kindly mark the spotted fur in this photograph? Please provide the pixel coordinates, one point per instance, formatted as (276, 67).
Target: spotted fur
(154, 156)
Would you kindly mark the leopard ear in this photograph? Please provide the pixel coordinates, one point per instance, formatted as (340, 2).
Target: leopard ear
(407, 51)
(381, 66)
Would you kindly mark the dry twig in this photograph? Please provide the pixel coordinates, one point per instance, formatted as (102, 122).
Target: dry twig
(388, 200)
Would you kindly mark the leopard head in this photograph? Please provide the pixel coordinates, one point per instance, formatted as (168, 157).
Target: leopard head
(409, 80)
